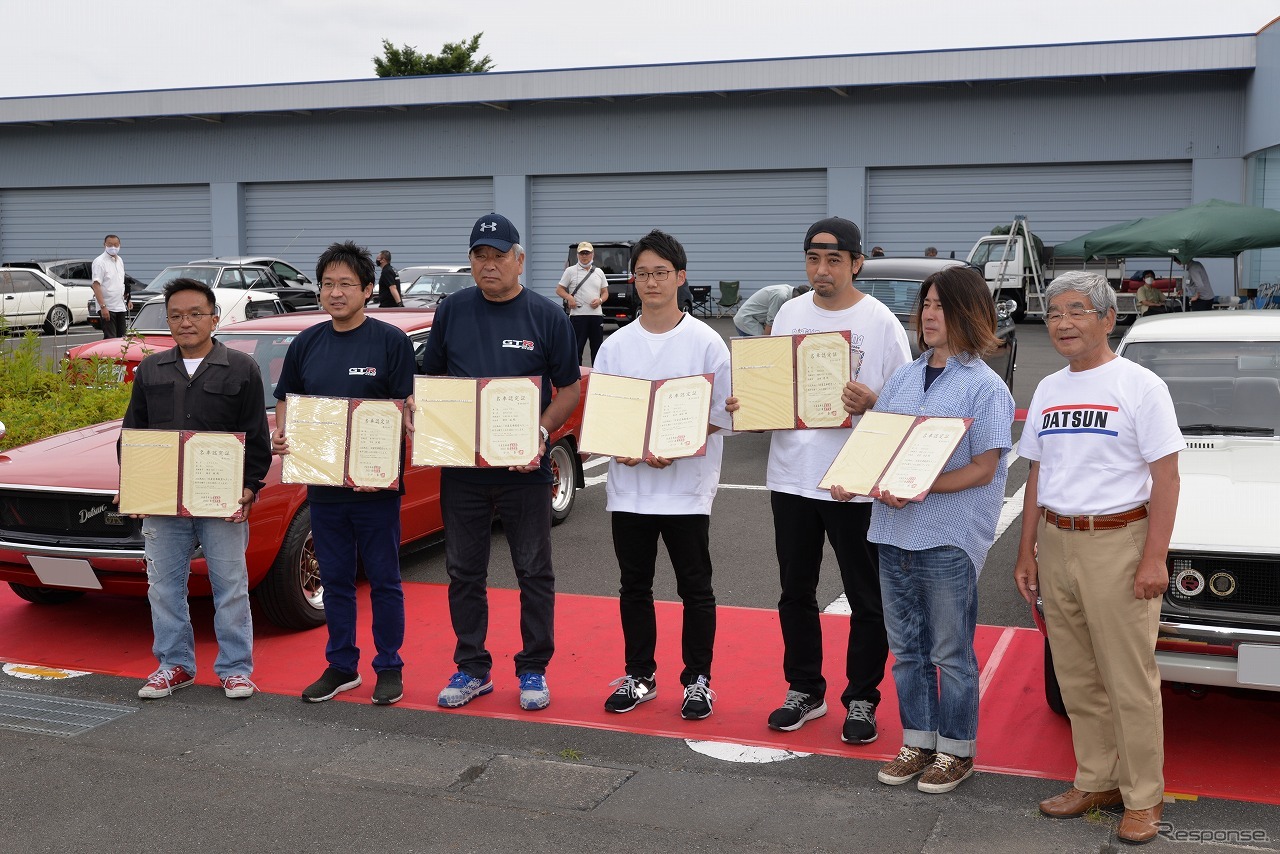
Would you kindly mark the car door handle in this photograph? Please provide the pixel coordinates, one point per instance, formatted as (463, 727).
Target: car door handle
(10, 296)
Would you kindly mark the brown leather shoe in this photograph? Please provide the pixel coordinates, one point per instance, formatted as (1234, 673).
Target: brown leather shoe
(1074, 803)
(1139, 827)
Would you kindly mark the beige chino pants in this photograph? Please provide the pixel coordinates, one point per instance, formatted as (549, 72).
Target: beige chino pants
(1103, 642)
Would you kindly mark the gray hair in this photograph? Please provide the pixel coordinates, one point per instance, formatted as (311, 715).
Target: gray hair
(1092, 285)
(518, 249)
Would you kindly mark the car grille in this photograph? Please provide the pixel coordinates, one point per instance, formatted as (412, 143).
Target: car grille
(1227, 584)
(53, 519)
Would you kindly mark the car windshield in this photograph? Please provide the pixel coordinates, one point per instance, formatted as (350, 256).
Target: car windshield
(208, 275)
(151, 318)
(898, 294)
(1218, 386)
(439, 283)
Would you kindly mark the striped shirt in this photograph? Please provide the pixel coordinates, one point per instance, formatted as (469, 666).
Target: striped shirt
(966, 519)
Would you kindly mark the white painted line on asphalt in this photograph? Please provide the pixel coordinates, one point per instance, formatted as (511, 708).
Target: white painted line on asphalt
(595, 462)
(840, 606)
(993, 663)
(730, 752)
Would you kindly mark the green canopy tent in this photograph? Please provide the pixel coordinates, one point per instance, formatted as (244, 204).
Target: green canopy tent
(1074, 248)
(1212, 229)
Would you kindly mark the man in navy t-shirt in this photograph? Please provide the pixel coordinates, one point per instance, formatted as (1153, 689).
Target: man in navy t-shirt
(352, 356)
(501, 329)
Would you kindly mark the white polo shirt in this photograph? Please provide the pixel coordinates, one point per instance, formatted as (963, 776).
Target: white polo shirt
(109, 273)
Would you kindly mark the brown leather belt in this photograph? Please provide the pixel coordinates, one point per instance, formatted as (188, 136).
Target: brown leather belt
(1109, 522)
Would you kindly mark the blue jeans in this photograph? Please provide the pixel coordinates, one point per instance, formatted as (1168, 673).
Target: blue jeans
(170, 542)
(369, 529)
(525, 510)
(931, 614)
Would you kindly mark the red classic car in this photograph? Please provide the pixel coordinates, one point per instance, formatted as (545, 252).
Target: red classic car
(60, 534)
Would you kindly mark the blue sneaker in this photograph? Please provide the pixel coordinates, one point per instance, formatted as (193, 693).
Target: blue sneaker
(534, 694)
(462, 689)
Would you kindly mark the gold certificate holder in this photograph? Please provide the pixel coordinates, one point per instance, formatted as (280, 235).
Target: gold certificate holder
(922, 456)
(212, 474)
(615, 416)
(376, 439)
(509, 408)
(316, 429)
(444, 427)
(149, 472)
(867, 452)
(681, 408)
(822, 370)
(763, 371)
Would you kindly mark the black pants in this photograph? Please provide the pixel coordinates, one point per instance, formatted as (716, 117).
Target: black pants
(525, 510)
(1201, 304)
(799, 525)
(687, 538)
(116, 326)
(588, 328)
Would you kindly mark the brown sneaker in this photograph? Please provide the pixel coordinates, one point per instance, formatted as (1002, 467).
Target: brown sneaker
(909, 763)
(1074, 802)
(945, 774)
(1138, 827)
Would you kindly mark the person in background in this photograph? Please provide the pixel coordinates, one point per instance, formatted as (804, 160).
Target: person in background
(1197, 286)
(388, 283)
(1150, 298)
(200, 384)
(1097, 516)
(109, 288)
(584, 289)
(931, 252)
(932, 551)
(755, 316)
(877, 252)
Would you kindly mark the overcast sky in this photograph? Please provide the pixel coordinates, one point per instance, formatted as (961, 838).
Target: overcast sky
(63, 46)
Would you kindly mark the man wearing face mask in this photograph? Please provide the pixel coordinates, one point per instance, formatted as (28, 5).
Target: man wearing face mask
(1150, 298)
(108, 288)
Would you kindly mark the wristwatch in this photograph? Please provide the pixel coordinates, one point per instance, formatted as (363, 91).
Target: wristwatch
(546, 434)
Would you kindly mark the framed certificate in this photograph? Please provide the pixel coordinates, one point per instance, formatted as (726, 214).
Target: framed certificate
(899, 454)
(790, 382)
(339, 441)
(181, 473)
(646, 419)
(476, 423)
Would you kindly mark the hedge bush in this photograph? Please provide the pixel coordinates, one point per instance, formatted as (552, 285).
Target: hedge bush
(38, 398)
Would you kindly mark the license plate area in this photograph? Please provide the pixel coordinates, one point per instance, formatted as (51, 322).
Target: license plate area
(64, 572)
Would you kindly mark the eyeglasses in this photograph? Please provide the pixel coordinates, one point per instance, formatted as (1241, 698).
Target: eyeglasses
(194, 317)
(656, 275)
(1074, 314)
(342, 286)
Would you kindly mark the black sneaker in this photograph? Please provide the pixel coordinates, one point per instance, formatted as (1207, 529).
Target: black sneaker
(698, 698)
(632, 691)
(860, 723)
(796, 710)
(330, 684)
(390, 688)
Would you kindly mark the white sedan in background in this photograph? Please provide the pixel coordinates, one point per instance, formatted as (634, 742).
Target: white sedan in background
(33, 298)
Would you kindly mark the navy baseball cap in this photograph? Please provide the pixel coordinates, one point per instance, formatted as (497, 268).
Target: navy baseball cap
(847, 235)
(494, 230)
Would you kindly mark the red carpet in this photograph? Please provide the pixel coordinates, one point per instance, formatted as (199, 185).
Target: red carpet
(1211, 745)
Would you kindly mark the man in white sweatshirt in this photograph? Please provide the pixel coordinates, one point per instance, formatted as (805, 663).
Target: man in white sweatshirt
(665, 498)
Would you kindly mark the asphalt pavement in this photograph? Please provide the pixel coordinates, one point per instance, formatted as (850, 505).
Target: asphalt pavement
(199, 772)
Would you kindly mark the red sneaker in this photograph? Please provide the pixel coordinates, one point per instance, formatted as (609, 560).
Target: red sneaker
(238, 686)
(164, 682)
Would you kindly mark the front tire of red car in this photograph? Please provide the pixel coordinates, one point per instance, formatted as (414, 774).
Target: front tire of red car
(563, 486)
(291, 595)
(45, 595)
(1052, 692)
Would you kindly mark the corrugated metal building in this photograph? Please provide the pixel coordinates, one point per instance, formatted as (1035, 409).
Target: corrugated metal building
(735, 158)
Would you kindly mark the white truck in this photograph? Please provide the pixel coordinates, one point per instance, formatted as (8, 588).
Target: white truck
(1018, 267)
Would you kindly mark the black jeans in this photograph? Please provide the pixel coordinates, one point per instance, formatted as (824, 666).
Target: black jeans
(687, 538)
(525, 511)
(799, 525)
(116, 326)
(588, 328)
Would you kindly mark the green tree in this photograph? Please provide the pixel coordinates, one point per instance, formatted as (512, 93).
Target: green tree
(454, 58)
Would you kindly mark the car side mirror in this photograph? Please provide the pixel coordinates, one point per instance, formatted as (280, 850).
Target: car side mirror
(1005, 308)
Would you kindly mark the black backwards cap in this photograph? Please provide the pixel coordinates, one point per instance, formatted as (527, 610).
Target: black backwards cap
(848, 237)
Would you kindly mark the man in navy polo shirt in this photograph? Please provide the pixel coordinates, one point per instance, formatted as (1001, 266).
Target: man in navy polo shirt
(501, 329)
(357, 356)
